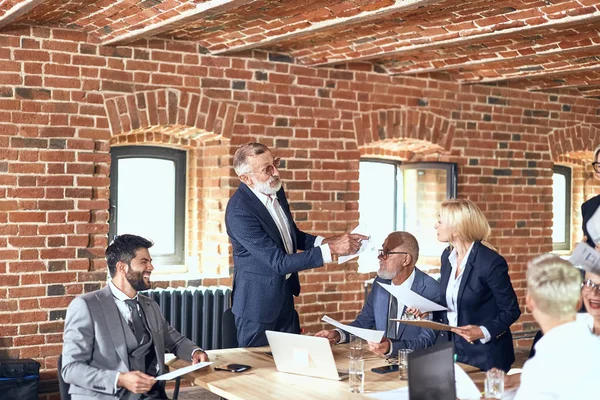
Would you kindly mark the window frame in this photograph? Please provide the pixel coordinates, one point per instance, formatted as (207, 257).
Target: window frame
(179, 158)
(567, 172)
(451, 178)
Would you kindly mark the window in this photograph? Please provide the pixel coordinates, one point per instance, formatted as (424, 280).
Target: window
(561, 208)
(395, 196)
(147, 198)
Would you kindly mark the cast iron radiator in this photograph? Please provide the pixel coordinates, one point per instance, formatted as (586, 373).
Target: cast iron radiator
(196, 312)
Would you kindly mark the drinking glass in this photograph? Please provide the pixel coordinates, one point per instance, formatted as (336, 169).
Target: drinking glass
(494, 383)
(357, 375)
(356, 347)
(403, 363)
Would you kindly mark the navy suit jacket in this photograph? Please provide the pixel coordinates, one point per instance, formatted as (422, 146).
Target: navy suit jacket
(587, 210)
(485, 298)
(374, 313)
(259, 257)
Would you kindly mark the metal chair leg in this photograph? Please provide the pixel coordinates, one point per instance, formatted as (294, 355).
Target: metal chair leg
(176, 390)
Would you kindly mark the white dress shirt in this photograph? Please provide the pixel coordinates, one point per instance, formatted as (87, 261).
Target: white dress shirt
(407, 284)
(272, 205)
(565, 365)
(453, 288)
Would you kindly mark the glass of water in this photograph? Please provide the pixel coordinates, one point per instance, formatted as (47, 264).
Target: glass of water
(494, 383)
(357, 375)
(403, 363)
(356, 347)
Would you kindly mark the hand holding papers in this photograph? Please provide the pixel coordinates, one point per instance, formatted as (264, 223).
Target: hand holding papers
(181, 371)
(364, 245)
(366, 334)
(593, 227)
(587, 257)
(411, 299)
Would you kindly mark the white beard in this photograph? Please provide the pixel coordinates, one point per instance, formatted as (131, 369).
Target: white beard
(383, 274)
(266, 188)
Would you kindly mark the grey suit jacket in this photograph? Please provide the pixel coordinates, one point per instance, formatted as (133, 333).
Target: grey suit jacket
(94, 347)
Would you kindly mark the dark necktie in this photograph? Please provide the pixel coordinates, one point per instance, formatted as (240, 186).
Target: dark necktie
(136, 318)
(391, 325)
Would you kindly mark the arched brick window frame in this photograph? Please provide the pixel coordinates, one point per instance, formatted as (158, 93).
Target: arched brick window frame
(201, 126)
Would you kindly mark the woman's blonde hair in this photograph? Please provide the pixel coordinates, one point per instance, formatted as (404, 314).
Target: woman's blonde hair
(465, 220)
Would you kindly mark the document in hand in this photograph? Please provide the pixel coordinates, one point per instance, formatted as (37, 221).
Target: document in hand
(366, 334)
(424, 323)
(181, 371)
(411, 299)
(587, 257)
(365, 245)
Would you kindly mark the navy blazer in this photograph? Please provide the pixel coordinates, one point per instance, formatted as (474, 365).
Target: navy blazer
(587, 210)
(260, 259)
(485, 298)
(374, 313)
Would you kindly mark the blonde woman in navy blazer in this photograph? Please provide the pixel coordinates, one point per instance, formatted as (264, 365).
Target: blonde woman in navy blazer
(476, 288)
(589, 207)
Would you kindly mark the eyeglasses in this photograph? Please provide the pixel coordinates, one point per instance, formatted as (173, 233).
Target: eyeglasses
(270, 169)
(384, 254)
(596, 166)
(589, 286)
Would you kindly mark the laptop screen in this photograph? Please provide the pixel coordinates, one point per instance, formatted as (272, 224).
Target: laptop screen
(431, 373)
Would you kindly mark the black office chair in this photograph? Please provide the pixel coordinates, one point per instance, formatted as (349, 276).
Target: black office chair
(63, 386)
(229, 330)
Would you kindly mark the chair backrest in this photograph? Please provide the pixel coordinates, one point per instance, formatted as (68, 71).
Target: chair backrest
(63, 386)
(229, 330)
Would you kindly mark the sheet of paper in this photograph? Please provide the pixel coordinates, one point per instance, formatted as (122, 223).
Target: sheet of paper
(366, 334)
(465, 387)
(181, 371)
(586, 257)
(593, 226)
(411, 299)
(424, 323)
(396, 394)
(364, 245)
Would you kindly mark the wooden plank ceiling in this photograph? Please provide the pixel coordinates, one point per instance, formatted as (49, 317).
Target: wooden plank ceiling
(541, 45)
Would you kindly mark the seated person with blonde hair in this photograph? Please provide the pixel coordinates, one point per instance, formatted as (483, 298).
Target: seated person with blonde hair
(566, 359)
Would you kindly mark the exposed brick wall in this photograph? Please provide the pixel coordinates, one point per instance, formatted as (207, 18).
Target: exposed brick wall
(65, 101)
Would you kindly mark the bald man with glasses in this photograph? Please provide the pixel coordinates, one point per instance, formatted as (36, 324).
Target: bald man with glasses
(265, 242)
(397, 261)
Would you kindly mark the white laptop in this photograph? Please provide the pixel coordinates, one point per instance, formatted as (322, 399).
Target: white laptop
(304, 355)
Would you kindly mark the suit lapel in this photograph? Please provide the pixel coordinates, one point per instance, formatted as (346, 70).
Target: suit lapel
(113, 323)
(444, 278)
(467, 273)
(153, 327)
(259, 208)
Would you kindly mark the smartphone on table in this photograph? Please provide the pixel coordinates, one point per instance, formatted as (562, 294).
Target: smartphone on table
(385, 369)
(233, 367)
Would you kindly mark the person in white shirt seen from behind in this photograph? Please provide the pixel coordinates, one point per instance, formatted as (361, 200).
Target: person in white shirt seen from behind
(565, 366)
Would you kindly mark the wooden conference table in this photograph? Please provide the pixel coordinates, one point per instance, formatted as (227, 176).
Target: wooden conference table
(265, 382)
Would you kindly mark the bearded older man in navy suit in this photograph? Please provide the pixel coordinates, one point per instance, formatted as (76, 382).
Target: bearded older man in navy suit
(397, 261)
(265, 241)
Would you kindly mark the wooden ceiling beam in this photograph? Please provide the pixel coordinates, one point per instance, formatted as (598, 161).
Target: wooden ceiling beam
(335, 23)
(202, 10)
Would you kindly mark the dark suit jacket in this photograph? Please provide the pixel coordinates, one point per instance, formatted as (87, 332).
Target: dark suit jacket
(95, 349)
(374, 313)
(587, 210)
(485, 298)
(259, 256)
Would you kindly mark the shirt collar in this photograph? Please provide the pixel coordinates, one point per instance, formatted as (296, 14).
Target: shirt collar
(409, 281)
(118, 294)
(452, 257)
(261, 196)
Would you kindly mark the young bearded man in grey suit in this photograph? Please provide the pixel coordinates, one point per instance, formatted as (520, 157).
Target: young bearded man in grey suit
(397, 262)
(115, 338)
